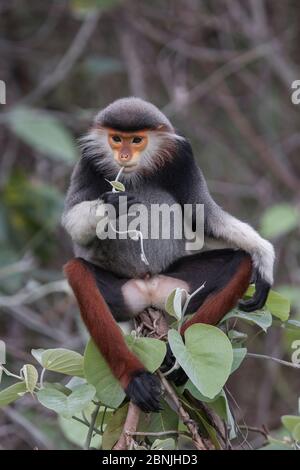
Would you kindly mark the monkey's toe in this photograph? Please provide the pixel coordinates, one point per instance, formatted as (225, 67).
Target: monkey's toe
(144, 390)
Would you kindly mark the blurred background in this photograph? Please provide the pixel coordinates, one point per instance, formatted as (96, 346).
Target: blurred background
(222, 70)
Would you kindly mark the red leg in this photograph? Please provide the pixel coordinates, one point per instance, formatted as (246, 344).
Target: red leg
(141, 386)
(220, 302)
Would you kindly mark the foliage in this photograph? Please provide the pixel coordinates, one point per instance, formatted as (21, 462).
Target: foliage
(94, 398)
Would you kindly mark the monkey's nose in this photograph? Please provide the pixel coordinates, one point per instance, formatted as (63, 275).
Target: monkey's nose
(124, 156)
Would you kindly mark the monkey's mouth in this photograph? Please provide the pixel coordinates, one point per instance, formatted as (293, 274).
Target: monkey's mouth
(128, 166)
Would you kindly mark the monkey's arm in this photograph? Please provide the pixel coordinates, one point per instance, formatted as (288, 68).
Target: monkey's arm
(83, 208)
(81, 220)
(237, 234)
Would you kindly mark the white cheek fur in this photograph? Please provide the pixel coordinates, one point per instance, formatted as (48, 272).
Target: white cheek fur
(159, 150)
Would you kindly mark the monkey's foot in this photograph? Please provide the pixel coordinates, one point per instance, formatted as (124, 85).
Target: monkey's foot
(144, 390)
(259, 298)
(178, 376)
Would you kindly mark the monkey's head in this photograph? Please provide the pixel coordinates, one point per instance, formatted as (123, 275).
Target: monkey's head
(133, 134)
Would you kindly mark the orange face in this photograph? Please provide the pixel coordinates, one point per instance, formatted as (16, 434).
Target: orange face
(127, 146)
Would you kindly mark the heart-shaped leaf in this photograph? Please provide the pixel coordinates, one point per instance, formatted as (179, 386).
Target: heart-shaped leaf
(99, 374)
(276, 303)
(206, 357)
(60, 360)
(64, 405)
(150, 351)
(261, 318)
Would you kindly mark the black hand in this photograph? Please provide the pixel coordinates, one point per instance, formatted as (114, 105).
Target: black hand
(178, 376)
(144, 390)
(259, 298)
(121, 201)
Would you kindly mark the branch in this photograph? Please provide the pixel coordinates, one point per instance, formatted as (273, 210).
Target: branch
(89, 436)
(183, 415)
(126, 440)
(68, 60)
(275, 359)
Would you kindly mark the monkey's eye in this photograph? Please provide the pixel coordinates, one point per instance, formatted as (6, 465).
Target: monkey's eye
(116, 138)
(137, 140)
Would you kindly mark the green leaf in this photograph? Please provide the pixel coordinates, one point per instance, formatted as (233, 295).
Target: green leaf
(76, 432)
(261, 318)
(114, 428)
(275, 444)
(164, 444)
(237, 337)
(276, 303)
(239, 355)
(37, 354)
(60, 360)
(206, 357)
(292, 424)
(292, 324)
(173, 304)
(166, 420)
(202, 420)
(98, 373)
(44, 133)
(117, 185)
(12, 393)
(150, 351)
(219, 404)
(279, 220)
(31, 376)
(67, 406)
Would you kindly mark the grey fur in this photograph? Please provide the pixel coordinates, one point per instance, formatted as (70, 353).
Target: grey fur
(123, 256)
(132, 114)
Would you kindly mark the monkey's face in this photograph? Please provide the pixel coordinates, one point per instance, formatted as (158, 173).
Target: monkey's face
(127, 147)
(140, 152)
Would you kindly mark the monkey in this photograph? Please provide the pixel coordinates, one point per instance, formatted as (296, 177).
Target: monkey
(108, 277)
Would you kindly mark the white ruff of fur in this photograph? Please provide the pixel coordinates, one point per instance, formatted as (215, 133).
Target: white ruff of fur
(159, 150)
(241, 235)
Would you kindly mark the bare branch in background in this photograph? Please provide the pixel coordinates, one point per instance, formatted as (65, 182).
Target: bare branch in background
(68, 60)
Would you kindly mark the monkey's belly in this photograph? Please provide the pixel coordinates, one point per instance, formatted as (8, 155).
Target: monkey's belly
(123, 257)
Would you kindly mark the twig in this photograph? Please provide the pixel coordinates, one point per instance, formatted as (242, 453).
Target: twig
(86, 423)
(89, 436)
(275, 359)
(262, 430)
(159, 433)
(68, 60)
(184, 416)
(25, 296)
(131, 423)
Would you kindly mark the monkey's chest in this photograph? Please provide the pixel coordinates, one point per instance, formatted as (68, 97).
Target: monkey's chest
(148, 240)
